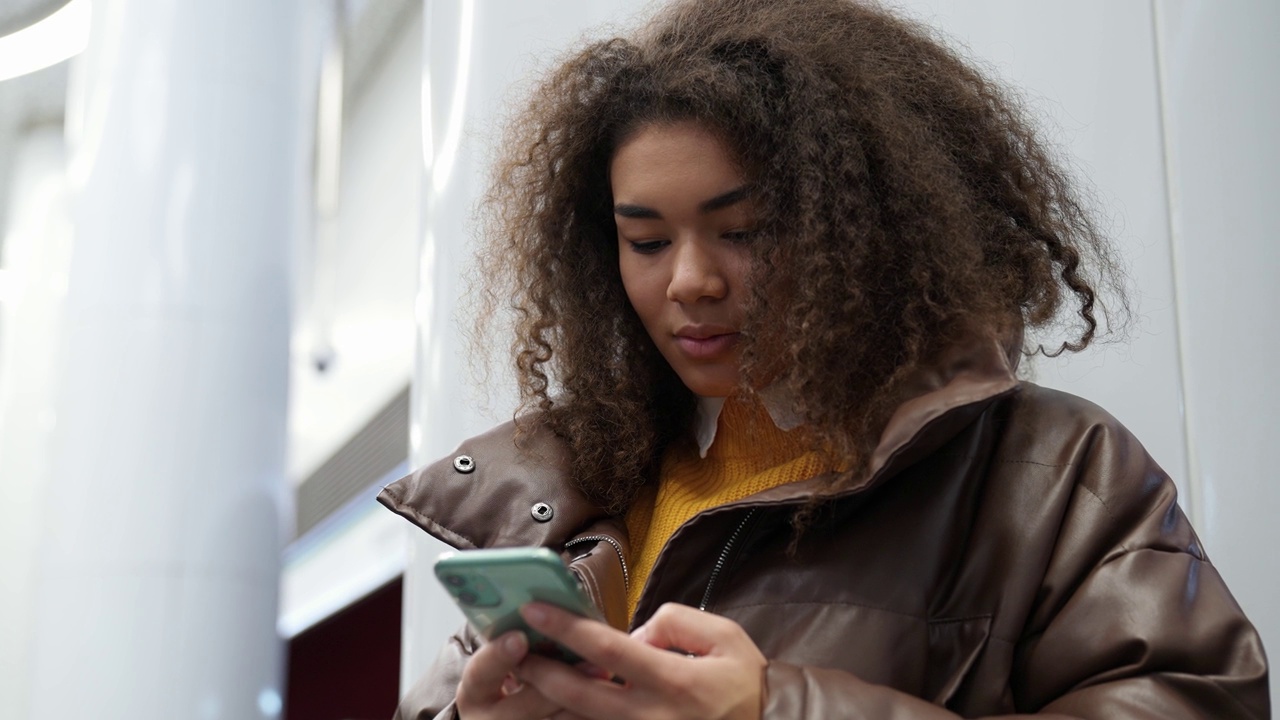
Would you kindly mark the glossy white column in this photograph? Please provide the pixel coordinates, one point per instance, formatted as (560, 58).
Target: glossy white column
(473, 54)
(163, 519)
(36, 252)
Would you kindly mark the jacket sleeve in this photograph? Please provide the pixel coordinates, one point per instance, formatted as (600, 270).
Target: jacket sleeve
(1131, 620)
(431, 697)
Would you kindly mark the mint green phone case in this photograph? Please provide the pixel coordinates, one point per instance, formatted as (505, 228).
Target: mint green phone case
(491, 585)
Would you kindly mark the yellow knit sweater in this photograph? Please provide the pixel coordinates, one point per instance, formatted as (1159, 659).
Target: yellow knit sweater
(750, 454)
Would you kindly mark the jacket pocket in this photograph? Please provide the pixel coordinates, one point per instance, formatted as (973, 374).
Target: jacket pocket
(954, 648)
(928, 658)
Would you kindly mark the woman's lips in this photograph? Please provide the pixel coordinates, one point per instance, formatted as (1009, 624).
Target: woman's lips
(708, 347)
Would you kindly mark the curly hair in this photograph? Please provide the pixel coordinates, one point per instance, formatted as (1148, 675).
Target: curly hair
(908, 192)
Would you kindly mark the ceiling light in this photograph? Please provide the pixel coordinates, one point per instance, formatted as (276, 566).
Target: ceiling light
(62, 35)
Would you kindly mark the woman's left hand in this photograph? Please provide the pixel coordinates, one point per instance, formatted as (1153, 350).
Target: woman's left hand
(682, 663)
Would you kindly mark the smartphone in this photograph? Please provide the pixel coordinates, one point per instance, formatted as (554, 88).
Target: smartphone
(491, 585)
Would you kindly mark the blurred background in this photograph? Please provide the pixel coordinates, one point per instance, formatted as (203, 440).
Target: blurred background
(233, 240)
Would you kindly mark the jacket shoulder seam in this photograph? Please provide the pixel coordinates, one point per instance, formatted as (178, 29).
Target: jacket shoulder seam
(1097, 497)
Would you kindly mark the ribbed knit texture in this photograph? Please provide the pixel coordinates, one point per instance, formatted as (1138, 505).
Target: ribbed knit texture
(750, 454)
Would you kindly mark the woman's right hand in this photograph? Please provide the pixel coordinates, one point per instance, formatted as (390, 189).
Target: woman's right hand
(489, 690)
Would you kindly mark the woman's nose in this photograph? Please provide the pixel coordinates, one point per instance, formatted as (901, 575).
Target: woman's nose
(696, 275)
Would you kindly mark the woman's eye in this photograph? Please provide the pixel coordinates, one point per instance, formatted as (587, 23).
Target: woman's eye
(648, 247)
(737, 236)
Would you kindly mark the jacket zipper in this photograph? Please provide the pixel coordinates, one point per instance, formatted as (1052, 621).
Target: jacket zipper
(617, 547)
(724, 558)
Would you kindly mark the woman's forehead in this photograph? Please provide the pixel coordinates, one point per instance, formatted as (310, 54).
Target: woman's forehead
(660, 159)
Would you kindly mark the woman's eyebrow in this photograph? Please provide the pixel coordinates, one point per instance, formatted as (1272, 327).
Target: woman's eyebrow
(719, 202)
(724, 200)
(639, 212)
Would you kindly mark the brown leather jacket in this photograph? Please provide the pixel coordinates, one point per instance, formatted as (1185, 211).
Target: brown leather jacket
(1012, 549)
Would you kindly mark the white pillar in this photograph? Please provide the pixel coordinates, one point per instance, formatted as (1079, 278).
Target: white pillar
(162, 520)
(36, 251)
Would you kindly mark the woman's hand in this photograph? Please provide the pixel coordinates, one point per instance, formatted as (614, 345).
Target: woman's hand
(715, 671)
(489, 691)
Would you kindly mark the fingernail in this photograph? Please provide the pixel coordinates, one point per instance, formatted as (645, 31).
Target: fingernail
(510, 685)
(514, 644)
(534, 614)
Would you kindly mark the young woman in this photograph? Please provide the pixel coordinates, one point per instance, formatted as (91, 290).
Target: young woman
(772, 263)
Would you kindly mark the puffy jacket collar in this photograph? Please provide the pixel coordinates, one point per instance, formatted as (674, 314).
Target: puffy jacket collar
(489, 498)
(939, 400)
(492, 502)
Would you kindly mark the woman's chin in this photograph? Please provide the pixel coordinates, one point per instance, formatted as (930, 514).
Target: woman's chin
(705, 386)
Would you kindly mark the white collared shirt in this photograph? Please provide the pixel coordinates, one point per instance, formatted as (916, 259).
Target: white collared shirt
(707, 419)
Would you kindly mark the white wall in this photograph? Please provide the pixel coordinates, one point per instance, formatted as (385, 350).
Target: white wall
(1219, 62)
(370, 279)
(374, 278)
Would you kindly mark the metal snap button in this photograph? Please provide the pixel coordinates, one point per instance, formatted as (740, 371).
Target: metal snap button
(541, 512)
(464, 463)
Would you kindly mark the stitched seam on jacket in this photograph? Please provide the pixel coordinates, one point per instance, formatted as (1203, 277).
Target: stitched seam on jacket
(1125, 552)
(1033, 462)
(1217, 684)
(404, 509)
(899, 613)
(1097, 497)
(424, 520)
(1110, 559)
(965, 618)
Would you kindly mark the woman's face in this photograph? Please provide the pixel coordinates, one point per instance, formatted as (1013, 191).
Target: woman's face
(684, 214)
